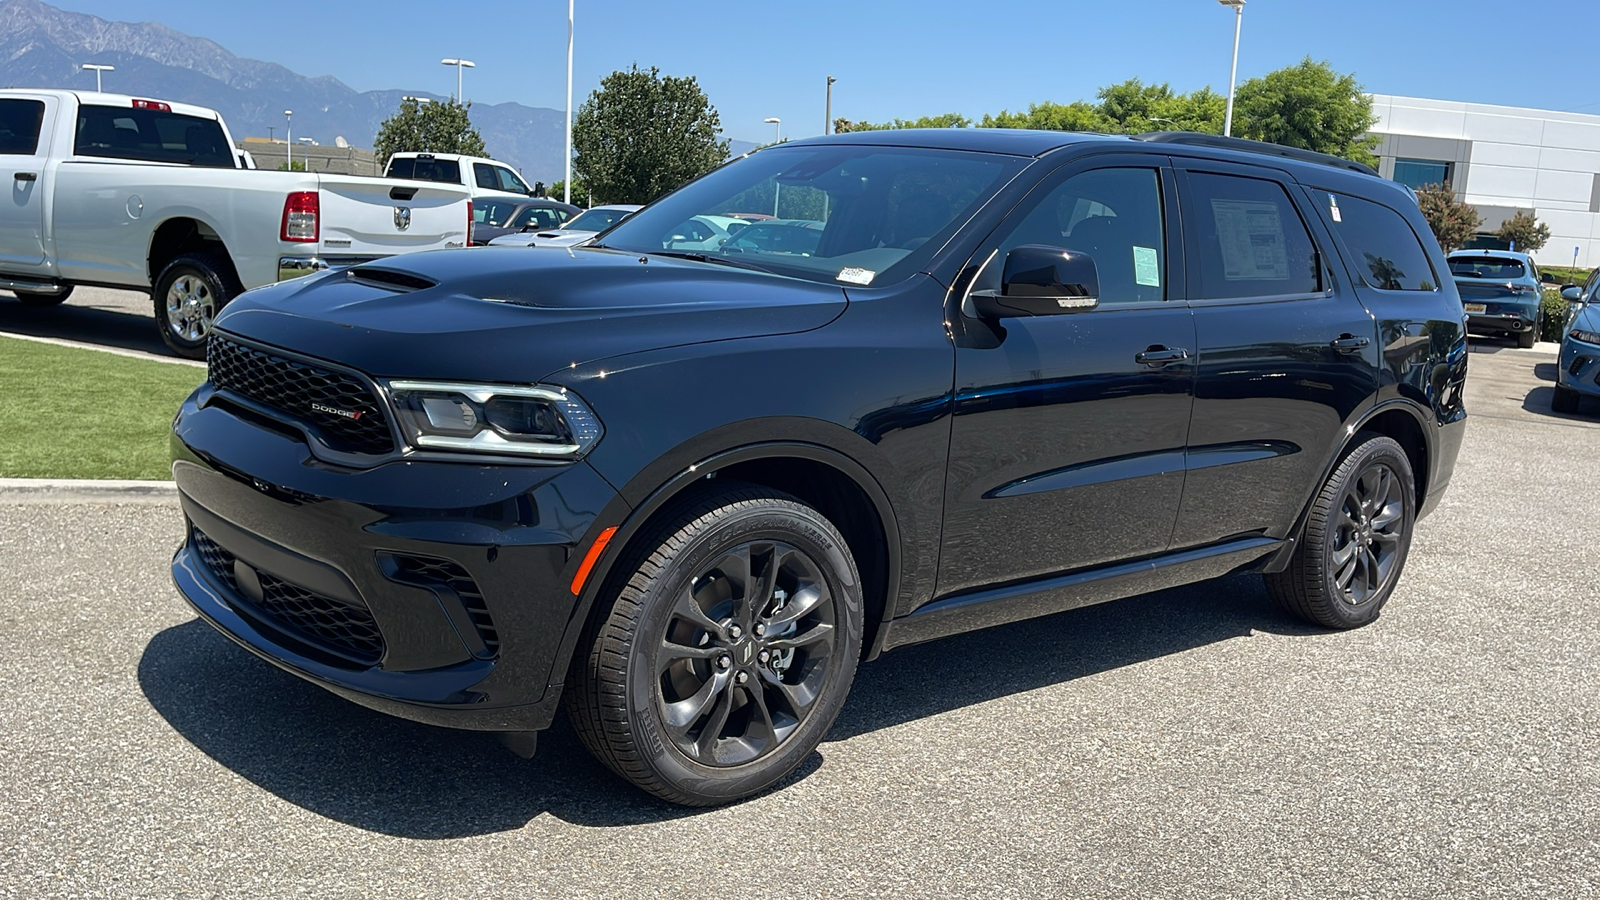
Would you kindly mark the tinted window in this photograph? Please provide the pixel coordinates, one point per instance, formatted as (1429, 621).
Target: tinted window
(19, 126)
(1114, 215)
(539, 217)
(1497, 267)
(149, 134)
(1252, 241)
(492, 212)
(509, 181)
(1383, 248)
(484, 175)
(426, 169)
(596, 219)
(1419, 173)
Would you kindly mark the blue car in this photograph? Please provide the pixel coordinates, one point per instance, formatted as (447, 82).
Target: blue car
(1499, 291)
(1579, 367)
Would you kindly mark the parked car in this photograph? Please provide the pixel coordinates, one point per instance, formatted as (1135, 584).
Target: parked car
(481, 177)
(683, 493)
(493, 217)
(792, 236)
(1578, 368)
(147, 194)
(1500, 292)
(574, 231)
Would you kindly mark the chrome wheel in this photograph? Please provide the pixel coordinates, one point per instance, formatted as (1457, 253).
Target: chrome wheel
(190, 308)
(1366, 539)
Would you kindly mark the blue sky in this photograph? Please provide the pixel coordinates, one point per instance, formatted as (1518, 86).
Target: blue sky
(758, 59)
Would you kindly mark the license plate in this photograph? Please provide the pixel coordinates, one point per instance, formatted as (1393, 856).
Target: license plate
(1474, 308)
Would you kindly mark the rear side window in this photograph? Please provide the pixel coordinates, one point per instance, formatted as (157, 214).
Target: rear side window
(1385, 251)
(1252, 240)
(426, 169)
(19, 126)
(112, 132)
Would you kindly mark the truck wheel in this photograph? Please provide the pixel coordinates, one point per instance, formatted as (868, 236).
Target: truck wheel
(189, 293)
(1355, 540)
(1525, 338)
(727, 654)
(29, 298)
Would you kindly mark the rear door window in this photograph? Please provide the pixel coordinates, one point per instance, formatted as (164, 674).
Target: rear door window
(20, 121)
(1252, 241)
(509, 180)
(1383, 248)
(484, 176)
(152, 135)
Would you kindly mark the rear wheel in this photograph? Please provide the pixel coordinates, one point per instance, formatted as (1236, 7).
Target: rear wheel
(728, 653)
(1355, 540)
(188, 294)
(1565, 400)
(31, 298)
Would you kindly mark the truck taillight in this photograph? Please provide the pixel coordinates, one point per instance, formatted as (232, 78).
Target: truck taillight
(300, 211)
(156, 105)
(467, 241)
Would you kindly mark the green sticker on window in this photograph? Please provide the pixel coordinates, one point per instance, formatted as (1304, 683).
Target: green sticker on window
(1146, 266)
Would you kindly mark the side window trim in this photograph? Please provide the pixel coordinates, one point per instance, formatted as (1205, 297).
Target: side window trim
(1320, 239)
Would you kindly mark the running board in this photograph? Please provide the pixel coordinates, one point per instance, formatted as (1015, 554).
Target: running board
(986, 607)
(32, 287)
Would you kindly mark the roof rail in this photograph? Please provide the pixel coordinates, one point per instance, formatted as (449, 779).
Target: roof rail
(1216, 141)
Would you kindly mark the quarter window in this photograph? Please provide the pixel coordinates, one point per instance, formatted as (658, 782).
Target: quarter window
(1384, 248)
(1252, 241)
(19, 126)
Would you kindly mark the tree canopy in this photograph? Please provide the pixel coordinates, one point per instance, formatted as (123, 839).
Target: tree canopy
(1524, 232)
(1453, 222)
(437, 127)
(641, 135)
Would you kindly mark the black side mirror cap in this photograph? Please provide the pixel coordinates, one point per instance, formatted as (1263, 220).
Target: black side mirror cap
(1042, 281)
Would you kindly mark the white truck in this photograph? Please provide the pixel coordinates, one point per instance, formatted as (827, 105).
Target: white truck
(483, 177)
(124, 192)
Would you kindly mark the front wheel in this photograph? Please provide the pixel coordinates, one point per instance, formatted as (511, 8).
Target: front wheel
(1565, 400)
(32, 298)
(728, 653)
(188, 294)
(1355, 540)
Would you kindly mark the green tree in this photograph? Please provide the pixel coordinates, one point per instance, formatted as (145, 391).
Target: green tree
(1047, 116)
(641, 135)
(1524, 232)
(943, 120)
(1453, 222)
(1308, 106)
(580, 191)
(437, 127)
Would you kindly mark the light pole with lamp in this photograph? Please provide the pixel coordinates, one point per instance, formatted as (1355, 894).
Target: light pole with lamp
(1233, 75)
(459, 63)
(827, 114)
(288, 142)
(97, 69)
(777, 137)
(566, 184)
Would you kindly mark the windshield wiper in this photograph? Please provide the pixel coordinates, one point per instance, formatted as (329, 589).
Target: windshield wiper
(706, 258)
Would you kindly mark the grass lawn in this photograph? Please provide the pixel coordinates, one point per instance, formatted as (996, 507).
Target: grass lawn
(70, 413)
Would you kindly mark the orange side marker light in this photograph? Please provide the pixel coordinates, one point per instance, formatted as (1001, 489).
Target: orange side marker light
(591, 558)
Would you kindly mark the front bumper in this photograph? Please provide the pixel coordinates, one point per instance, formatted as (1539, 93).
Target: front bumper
(434, 591)
(1578, 367)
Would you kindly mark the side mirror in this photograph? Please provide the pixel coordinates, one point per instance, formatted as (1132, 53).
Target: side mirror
(1571, 293)
(1042, 281)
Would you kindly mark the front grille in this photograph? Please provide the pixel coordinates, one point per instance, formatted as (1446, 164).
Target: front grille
(346, 630)
(295, 388)
(428, 570)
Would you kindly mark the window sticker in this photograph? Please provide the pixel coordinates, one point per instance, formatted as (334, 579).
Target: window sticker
(1333, 207)
(1146, 267)
(1254, 247)
(852, 275)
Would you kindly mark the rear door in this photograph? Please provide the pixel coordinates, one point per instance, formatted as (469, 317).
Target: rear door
(24, 150)
(1287, 353)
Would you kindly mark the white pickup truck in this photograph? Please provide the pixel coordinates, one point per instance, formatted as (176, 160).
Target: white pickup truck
(131, 193)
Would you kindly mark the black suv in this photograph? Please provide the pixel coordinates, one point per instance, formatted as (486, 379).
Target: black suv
(684, 493)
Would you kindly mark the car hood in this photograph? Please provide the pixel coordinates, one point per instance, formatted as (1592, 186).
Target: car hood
(551, 238)
(520, 314)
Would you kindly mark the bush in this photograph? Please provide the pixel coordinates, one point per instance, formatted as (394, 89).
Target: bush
(1552, 315)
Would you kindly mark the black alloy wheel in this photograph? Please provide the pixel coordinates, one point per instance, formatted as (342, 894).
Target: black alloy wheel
(728, 652)
(1355, 540)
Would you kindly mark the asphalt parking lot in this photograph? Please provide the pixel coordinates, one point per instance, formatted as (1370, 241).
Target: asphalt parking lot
(1191, 743)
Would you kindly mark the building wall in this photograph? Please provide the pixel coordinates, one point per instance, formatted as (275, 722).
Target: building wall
(270, 154)
(1506, 159)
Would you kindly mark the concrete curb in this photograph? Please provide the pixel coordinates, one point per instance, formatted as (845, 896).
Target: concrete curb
(75, 490)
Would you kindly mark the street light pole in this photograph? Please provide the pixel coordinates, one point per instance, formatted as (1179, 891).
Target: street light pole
(1233, 75)
(288, 129)
(827, 115)
(777, 137)
(566, 184)
(459, 63)
(97, 70)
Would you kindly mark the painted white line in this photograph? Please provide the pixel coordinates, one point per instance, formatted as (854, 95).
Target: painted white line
(116, 351)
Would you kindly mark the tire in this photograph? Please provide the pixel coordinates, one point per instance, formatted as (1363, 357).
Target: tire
(1525, 339)
(1565, 400)
(700, 698)
(187, 296)
(30, 298)
(1355, 540)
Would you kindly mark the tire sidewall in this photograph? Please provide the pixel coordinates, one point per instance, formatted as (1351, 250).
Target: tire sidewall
(203, 269)
(807, 531)
(1376, 450)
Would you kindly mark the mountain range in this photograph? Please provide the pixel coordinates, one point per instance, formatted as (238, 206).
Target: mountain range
(42, 46)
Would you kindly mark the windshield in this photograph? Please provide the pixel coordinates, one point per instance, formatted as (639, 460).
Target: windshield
(1498, 268)
(596, 220)
(852, 215)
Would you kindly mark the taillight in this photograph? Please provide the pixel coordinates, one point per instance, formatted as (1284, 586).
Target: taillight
(156, 105)
(467, 241)
(300, 211)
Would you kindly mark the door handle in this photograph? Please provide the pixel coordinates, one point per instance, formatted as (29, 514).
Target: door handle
(1348, 343)
(1159, 356)
(26, 176)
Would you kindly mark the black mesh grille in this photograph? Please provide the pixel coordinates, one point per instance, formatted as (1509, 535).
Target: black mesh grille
(442, 571)
(322, 621)
(296, 388)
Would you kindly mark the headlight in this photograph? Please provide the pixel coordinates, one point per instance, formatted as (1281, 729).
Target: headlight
(518, 420)
(1588, 337)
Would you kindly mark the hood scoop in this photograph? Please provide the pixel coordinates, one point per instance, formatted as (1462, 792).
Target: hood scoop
(389, 279)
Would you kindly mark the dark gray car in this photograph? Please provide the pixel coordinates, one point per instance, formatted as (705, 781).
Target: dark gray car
(492, 217)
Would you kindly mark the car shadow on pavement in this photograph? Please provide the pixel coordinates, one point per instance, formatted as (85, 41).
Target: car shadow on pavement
(1538, 399)
(396, 777)
(88, 324)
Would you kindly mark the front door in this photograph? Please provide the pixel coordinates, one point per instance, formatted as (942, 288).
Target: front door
(22, 160)
(1067, 442)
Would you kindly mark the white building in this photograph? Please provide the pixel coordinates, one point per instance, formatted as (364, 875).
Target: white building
(1502, 159)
